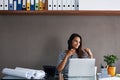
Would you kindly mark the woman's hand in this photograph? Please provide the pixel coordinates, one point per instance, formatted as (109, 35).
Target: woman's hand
(62, 64)
(70, 52)
(89, 52)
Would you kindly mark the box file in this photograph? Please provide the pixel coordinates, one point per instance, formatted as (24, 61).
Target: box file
(1, 4)
(72, 4)
(77, 6)
(69, 4)
(28, 5)
(10, 5)
(15, 4)
(40, 5)
(24, 5)
(5, 4)
(36, 4)
(64, 4)
(59, 6)
(32, 5)
(50, 7)
(54, 4)
(19, 4)
(43, 2)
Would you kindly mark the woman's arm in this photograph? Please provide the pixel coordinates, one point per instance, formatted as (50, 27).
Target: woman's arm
(89, 52)
(62, 64)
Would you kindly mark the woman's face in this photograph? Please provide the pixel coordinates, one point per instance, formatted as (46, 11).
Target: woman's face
(76, 42)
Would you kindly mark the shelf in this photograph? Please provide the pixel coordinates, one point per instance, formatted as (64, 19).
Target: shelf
(62, 13)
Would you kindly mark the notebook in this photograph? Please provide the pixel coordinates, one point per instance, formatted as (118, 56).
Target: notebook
(81, 67)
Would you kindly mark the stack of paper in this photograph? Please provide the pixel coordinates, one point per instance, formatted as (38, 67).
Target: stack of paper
(24, 73)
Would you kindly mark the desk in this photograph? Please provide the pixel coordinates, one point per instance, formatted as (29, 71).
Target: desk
(53, 78)
(110, 78)
(61, 78)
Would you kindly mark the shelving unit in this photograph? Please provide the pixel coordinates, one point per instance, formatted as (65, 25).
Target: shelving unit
(63, 12)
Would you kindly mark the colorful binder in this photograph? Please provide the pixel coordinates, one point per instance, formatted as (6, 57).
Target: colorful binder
(43, 2)
(28, 5)
(19, 5)
(32, 5)
(10, 5)
(40, 5)
(23, 4)
(36, 4)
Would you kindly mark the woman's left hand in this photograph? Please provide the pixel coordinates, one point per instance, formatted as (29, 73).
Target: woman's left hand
(89, 52)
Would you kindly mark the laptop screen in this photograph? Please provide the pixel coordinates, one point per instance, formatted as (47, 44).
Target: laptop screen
(81, 67)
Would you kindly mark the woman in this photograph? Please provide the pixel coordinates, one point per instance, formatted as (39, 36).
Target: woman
(74, 51)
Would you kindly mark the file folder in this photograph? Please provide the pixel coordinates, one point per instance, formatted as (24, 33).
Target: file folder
(19, 5)
(32, 5)
(24, 5)
(59, 6)
(40, 5)
(68, 7)
(43, 2)
(64, 4)
(10, 5)
(28, 5)
(50, 5)
(77, 6)
(54, 4)
(5, 4)
(36, 4)
(15, 4)
(72, 4)
(1, 4)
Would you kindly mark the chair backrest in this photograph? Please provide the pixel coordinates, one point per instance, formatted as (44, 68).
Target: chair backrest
(50, 70)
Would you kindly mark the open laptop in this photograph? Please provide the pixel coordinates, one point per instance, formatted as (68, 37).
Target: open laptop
(81, 68)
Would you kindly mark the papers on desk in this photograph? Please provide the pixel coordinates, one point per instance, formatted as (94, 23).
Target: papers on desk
(110, 78)
(24, 73)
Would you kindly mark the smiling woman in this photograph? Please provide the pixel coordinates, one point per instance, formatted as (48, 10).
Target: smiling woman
(74, 51)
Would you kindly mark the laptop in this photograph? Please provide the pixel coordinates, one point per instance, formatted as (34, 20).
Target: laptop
(81, 68)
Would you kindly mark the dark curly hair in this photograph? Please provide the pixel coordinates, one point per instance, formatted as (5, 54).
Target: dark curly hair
(79, 50)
